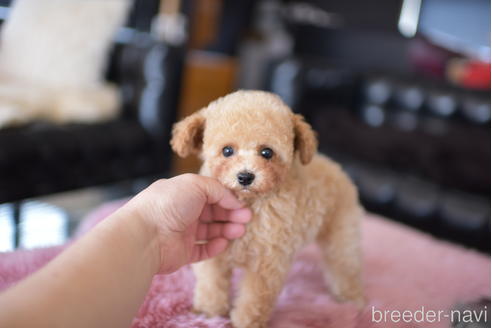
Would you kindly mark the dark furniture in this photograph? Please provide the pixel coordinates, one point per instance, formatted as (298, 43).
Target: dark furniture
(43, 158)
(417, 146)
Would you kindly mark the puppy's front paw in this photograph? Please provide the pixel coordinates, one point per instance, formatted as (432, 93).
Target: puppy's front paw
(211, 309)
(240, 319)
(360, 302)
(354, 297)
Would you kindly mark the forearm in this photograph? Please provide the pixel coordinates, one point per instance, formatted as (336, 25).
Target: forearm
(99, 281)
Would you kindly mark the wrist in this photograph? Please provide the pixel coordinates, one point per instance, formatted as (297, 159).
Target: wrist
(143, 234)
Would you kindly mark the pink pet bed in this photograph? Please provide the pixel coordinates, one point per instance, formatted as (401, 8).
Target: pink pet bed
(403, 270)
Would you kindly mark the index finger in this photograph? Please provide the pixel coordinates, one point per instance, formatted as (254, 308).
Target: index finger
(218, 194)
(216, 213)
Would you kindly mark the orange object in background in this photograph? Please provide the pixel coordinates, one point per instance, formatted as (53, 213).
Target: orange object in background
(469, 73)
(207, 76)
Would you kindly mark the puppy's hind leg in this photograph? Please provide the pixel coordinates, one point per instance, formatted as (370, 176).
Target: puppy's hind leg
(339, 241)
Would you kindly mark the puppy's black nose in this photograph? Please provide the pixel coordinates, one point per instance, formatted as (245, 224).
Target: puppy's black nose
(245, 178)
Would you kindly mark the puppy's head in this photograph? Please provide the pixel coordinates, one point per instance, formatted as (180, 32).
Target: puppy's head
(248, 140)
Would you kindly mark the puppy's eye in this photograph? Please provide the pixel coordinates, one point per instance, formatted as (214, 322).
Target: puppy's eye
(227, 151)
(266, 153)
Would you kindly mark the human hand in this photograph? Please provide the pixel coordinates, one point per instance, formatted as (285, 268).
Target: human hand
(192, 218)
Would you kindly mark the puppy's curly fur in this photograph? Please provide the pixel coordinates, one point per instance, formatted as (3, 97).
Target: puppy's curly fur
(297, 196)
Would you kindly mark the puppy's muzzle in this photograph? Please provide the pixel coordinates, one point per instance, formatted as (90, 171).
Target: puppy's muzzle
(245, 178)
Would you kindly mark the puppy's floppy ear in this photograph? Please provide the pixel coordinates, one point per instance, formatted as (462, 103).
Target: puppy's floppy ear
(188, 135)
(305, 141)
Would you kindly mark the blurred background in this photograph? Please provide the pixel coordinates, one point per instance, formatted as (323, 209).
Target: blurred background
(398, 91)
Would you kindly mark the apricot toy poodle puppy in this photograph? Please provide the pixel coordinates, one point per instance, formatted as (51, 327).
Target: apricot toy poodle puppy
(256, 146)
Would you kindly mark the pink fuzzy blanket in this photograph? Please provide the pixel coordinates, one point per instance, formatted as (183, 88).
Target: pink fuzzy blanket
(403, 270)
